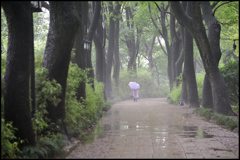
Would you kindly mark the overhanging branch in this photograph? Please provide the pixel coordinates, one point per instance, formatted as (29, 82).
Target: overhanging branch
(220, 6)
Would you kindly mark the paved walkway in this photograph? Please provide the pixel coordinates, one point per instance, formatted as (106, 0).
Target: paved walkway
(152, 128)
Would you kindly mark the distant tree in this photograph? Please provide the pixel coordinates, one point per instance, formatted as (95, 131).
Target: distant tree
(110, 52)
(164, 34)
(149, 54)
(116, 70)
(16, 85)
(131, 41)
(93, 26)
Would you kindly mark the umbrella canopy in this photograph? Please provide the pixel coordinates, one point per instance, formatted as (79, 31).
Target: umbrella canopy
(134, 85)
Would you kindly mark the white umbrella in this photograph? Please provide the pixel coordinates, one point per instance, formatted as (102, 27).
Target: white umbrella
(134, 85)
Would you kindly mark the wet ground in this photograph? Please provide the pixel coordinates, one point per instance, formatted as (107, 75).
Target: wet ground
(152, 128)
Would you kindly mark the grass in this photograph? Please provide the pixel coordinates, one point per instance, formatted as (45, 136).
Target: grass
(226, 121)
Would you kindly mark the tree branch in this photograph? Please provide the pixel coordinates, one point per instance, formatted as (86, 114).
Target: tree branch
(163, 11)
(161, 46)
(220, 6)
(154, 21)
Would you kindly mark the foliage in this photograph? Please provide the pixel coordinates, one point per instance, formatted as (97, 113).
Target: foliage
(218, 118)
(46, 91)
(9, 143)
(174, 95)
(230, 73)
(81, 116)
(46, 147)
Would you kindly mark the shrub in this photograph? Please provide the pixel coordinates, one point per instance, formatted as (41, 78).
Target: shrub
(46, 90)
(218, 118)
(230, 73)
(46, 147)
(9, 143)
(174, 95)
(81, 116)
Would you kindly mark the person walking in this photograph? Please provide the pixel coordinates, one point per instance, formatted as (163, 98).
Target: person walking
(135, 89)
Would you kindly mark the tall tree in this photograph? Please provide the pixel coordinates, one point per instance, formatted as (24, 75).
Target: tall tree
(91, 31)
(130, 40)
(79, 49)
(116, 70)
(99, 41)
(176, 47)
(214, 29)
(189, 73)
(184, 96)
(63, 27)
(149, 54)
(110, 52)
(195, 26)
(164, 34)
(16, 85)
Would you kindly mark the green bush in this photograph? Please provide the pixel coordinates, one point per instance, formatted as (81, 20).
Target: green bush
(46, 90)
(230, 73)
(174, 95)
(46, 147)
(218, 118)
(9, 143)
(81, 116)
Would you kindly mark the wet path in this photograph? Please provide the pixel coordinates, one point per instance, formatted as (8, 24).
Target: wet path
(152, 128)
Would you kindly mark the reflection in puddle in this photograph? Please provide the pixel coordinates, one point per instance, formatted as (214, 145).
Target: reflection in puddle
(193, 132)
(99, 131)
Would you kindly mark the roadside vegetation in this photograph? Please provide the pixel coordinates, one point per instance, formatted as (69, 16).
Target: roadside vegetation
(230, 73)
(139, 43)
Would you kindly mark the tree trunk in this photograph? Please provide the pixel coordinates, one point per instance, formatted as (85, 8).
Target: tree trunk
(62, 31)
(130, 42)
(189, 66)
(16, 83)
(99, 41)
(214, 29)
(149, 54)
(164, 34)
(184, 95)
(196, 28)
(179, 62)
(79, 53)
(176, 42)
(116, 55)
(109, 92)
(91, 31)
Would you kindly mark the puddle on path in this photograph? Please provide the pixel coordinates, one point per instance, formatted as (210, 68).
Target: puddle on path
(98, 131)
(193, 132)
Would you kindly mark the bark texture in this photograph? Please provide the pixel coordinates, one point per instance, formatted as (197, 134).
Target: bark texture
(109, 92)
(16, 82)
(189, 66)
(79, 52)
(214, 29)
(64, 23)
(116, 49)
